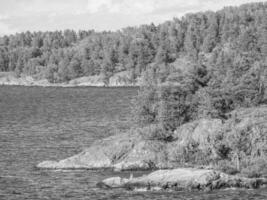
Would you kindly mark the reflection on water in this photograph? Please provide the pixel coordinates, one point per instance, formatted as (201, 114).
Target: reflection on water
(39, 124)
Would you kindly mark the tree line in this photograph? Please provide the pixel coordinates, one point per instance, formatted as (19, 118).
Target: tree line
(203, 65)
(206, 65)
(234, 35)
(215, 69)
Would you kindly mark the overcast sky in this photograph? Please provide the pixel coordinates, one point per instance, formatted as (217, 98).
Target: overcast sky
(34, 15)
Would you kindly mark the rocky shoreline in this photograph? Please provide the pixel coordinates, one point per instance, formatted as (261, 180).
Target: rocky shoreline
(183, 179)
(121, 79)
(132, 151)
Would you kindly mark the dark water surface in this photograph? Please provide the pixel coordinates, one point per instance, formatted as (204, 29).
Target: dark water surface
(39, 124)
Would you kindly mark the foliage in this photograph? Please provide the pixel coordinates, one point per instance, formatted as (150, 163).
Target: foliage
(226, 37)
(238, 146)
(204, 65)
(175, 106)
(155, 132)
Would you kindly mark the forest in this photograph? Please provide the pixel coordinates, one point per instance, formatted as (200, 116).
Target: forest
(203, 65)
(233, 38)
(219, 73)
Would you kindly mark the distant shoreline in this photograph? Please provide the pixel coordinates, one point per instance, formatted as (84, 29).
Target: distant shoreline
(72, 86)
(69, 86)
(118, 80)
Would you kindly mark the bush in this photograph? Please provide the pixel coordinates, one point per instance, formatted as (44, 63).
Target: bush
(255, 168)
(155, 132)
(237, 146)
(242, 142)
(227, 167)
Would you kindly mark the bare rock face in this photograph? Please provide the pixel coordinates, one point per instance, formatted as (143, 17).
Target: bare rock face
(124, 152)
(144, 155)
(121, 79)
(102, 154)
(130, 151)
(183, 179)
(84, 160)
(198, 130)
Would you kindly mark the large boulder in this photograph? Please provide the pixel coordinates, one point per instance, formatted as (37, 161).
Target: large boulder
(183, 179)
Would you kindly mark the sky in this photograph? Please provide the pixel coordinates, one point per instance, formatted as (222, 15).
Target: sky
(43, 15)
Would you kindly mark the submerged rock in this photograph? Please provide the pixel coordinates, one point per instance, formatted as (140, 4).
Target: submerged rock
(183, 179)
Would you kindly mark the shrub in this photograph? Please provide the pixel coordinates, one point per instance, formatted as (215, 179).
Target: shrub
(155, 132)
(238, 146)
(255, 167)
(226, 166)
(242, 142)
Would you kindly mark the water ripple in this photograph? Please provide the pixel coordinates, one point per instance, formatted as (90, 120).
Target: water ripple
(39, 124)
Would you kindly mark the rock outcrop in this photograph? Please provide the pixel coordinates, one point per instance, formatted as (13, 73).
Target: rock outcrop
(130, 151)
(97, 81)
(183, 179)
(9, 78)
(122, 79)
(102, 154)
(194, 140)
